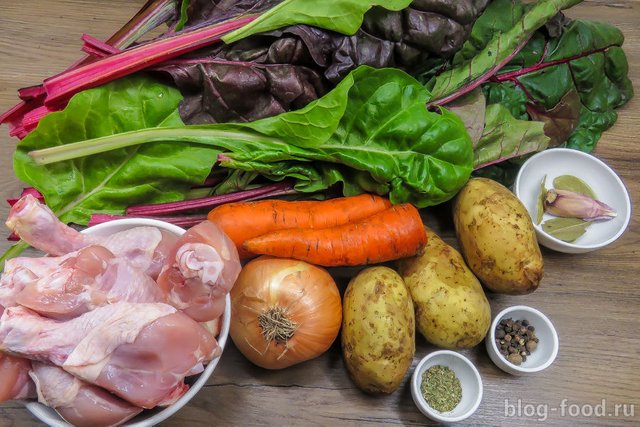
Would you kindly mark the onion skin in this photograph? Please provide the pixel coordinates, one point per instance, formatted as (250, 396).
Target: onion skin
(310, 299)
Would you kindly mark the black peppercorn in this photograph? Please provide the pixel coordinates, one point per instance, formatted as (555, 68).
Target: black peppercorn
(516, 340)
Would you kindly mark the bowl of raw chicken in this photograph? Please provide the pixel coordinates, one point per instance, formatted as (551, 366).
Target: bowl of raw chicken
(120, 324)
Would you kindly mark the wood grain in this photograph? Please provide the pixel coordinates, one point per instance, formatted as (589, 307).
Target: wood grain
(593, 299)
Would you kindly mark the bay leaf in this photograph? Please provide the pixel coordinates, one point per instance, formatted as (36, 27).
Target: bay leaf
(575, 184)
(541, 197)
(566, 229)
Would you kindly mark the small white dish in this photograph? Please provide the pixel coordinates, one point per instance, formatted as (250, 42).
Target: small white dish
(542, 357)
(150, 417)
(606, 184)
(469, 380)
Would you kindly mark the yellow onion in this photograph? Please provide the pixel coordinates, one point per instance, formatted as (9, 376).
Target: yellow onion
(284, 312)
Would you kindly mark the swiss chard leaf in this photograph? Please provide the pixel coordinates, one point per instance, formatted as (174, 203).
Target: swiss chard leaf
(500, 16)
(509, 96)
(342, 16)
(505, 137)
(285, 69)
(108, 183)
(471, 109)
(468, 74)
(220, 91)
(561, 120)
(586, 59)
(384, 129)
(373, 127)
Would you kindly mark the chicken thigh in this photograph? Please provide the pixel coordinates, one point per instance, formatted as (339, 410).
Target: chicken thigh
(79, 403)
(14, 373)
(21, 271)
(144, 247)
(37, 225)
(92, 277)
(200, 271)
(138, 351)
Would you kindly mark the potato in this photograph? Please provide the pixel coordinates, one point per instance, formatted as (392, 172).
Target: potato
(497, 237)
(378, 330)
(451, 308)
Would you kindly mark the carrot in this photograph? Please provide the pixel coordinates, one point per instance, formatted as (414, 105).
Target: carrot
(394, 233)
(244, 220)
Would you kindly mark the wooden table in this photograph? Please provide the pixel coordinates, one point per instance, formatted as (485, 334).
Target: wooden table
(593, 299)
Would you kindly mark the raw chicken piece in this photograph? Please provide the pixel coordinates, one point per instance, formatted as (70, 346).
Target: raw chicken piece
(212, 326)
(12, 283)
(14, 373)
(37, 225)
(91, 278)
(139, 351)
(21, 271)
(78, 402)
(200, 271)
(39, 266)
(144, 247)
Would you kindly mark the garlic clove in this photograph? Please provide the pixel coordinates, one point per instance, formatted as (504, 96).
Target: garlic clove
(569, 204)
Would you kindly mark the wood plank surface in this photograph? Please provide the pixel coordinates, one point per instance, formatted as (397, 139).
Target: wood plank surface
(593, 299)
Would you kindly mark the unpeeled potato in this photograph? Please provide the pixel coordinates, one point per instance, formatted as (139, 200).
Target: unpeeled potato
(451, 308)
(378, 330)
(497, 237)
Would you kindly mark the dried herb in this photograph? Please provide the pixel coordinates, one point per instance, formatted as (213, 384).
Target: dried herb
(540, 204)
(575, 184)
(516, 339)
(574, 202)
(566, 229)
(441, 388)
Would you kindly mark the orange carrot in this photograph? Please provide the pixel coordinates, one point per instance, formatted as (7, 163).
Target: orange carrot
(244, 220)
(394, 233)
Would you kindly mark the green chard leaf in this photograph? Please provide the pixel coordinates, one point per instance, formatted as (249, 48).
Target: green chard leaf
(509, 96)
(561, 120)
(382, 128)
(573, 82)
(505, 137)
(471, 109)
(372, 132)
(571, 75)
(342, 16)
(500, 16)
(108, 183)
(504, 43)
(566, 229)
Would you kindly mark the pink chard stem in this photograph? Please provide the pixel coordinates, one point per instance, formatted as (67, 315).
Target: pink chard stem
(270, 190)
(184, 221)
(61, 87)
(483, 78)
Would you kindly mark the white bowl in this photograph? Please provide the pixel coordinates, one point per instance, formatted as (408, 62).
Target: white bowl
(153, 416)
(469, 380)
(607, 186)
(542, 357)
